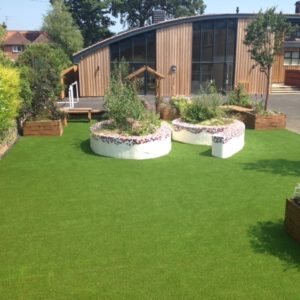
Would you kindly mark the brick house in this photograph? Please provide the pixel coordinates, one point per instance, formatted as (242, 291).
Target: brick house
(16, 41)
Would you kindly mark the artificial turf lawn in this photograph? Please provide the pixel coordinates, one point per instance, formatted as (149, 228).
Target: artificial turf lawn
(74, 225)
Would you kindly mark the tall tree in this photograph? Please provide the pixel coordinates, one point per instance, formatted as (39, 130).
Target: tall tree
(92, 18)
(184, 8)
(135, 13)
(265, 37)
(63, 31)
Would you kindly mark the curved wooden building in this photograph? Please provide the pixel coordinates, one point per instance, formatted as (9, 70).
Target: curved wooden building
(188, 52)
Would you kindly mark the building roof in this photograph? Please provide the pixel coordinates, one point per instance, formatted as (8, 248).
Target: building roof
(14, 37)
(84, 52)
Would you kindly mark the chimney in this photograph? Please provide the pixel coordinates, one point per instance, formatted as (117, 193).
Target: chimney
(297, 7)
(160, 16)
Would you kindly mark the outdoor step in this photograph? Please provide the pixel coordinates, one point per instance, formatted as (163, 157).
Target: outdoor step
(284, 89)
(285, 92)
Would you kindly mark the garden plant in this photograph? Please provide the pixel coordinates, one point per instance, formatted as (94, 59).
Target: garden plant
(124, 108)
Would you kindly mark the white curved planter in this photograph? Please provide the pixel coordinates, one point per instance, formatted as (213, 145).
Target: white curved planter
(130, 147)
(195, 134)
(226, 140)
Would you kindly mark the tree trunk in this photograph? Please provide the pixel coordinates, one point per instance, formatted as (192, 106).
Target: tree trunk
(268, 85)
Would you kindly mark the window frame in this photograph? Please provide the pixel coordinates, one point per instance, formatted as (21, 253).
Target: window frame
(289, 58)
(17, 49)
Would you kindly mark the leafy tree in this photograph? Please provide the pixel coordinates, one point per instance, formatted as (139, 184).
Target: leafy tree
(4, 61)
(63, 31)
(9, 98)
(265, 38)
(92, 18)
(184, 8)
(136, 13)
(2, 35)
(44, 65)
(25, 92)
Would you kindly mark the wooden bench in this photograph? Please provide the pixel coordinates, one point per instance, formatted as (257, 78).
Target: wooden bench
(82, 111)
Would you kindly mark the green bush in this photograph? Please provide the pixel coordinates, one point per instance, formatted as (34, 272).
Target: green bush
(9, 98)
(179, 103)
(25, 93)
(125, 108)
(239, 96)
(201, 108)
(44, 66)
(208, 87)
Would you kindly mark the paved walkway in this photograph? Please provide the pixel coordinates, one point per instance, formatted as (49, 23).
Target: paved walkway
(288, 104)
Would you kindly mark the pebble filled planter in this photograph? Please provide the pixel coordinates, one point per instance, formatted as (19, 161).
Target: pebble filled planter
(130, 147)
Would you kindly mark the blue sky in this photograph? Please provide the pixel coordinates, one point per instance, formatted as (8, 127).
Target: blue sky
(28, 14)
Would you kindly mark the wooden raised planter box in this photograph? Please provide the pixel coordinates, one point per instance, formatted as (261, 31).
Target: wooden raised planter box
(292, 219)
(264, 122)
(43, 128)
(259, 122)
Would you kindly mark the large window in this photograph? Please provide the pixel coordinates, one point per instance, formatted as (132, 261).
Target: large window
(213, 54)
(138, 51)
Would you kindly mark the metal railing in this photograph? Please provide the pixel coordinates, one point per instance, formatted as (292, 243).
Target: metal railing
(71, 95)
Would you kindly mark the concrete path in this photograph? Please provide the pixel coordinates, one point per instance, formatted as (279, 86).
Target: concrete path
(290, 105)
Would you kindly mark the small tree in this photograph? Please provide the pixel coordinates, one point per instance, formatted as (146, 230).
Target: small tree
(265, 38)
(44, 65)
(63, 31)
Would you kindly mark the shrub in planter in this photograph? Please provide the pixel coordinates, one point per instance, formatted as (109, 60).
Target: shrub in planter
(43, 65)
(203, 122)
(131, 132)
(204, 107)
(239, 97)
(127, 111)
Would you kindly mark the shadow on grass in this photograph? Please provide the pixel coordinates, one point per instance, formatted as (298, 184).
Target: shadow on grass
(276, 166)
(86, 148)
(270, 238)
(206, 153)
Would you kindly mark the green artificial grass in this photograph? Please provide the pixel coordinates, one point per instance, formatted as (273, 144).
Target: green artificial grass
(74, 225)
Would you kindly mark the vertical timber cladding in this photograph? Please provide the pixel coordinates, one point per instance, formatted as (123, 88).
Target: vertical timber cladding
(278, 69)
(94, 73)
(253, 79)
(174, 47)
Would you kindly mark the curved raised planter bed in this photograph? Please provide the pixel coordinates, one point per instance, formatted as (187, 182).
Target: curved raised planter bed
(130, 147)
(226, 140)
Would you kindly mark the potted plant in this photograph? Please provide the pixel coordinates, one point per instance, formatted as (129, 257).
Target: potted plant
(131, 131)
(292, 215)
(43, 64)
